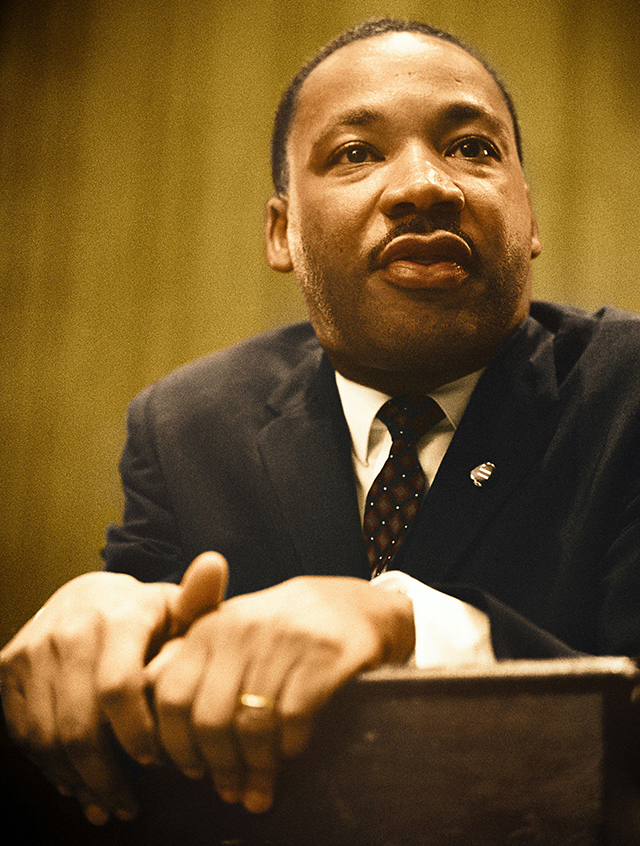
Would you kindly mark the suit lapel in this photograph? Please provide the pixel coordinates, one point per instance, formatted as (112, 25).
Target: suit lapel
(510, 418)
(306, 449)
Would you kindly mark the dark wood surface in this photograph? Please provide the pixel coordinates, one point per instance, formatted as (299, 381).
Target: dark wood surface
(536, 752)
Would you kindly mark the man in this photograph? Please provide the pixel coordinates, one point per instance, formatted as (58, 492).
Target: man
(402, 209)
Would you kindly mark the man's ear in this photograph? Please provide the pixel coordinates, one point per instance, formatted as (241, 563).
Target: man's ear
(275, 234)
(536, 243)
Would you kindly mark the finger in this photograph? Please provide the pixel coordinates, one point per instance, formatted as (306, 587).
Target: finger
(295, 733)
(120, 688)
(178, 671)
(156, 667)
(309, 684)
(224, 761)
(212, 721)
(201, 590)
(29, 729)
(54, 737)
(99, 785)
(84, 738)
(257, 721)
(257, 728)
(28, 705)
(258, 792)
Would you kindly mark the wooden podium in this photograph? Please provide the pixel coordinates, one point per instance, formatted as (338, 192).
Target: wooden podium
(526, 752)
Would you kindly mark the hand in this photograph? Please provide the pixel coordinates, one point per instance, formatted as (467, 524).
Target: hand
(291, 646)
(74, 674)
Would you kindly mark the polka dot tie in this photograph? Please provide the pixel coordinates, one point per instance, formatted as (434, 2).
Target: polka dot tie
(399, 488)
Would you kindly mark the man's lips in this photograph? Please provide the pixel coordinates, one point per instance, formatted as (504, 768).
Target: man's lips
(437, 260)
(427, 249)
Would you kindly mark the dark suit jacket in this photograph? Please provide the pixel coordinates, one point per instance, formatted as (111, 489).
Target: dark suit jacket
(247, 452)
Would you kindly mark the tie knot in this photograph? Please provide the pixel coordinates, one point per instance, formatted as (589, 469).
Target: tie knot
(409, 420)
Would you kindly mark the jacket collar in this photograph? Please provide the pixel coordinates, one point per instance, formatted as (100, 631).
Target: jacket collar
(306, 450)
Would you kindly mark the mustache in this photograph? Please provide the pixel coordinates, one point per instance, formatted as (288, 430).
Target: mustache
(419, 225)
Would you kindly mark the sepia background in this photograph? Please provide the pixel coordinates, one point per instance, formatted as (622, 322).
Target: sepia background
(133, 172)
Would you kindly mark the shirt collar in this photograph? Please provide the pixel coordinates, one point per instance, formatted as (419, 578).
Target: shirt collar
(361, 404)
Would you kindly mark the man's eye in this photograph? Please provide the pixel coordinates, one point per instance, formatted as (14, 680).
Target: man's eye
(474, 148)
(354, 154)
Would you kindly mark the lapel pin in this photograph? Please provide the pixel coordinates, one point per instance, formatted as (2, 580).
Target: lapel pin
(481, 473)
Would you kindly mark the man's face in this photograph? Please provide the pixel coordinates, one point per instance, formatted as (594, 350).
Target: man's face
(407, 220)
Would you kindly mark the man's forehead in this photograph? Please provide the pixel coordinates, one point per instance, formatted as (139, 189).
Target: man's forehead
(358, 69)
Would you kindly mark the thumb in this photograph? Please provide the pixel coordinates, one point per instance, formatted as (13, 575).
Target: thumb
(201, 590)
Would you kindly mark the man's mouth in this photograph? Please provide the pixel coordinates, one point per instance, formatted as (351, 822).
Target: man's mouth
(438, 260)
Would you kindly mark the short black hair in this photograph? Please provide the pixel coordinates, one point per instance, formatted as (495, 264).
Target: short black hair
(368, 29)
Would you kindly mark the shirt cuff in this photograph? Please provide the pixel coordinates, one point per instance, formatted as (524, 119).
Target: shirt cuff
(448, 631)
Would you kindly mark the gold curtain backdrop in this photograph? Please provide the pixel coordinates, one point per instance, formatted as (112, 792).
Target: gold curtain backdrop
(133, 172)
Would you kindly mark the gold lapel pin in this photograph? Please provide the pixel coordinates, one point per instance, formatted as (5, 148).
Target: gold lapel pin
(481, 473)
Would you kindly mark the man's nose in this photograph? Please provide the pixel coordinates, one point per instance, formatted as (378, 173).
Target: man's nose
(416, 182)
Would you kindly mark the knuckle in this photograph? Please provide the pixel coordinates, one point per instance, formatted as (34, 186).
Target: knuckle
(16, 665)
(292, 716)
(78, 747)
(72, 636)
(27, 731)
(210, 731)
(255, 725)
(75, 739)
(37, 742)
(170, 698)
(71, 731)
(5, 660)
(295, 714)
(117, 691)
(213, 734)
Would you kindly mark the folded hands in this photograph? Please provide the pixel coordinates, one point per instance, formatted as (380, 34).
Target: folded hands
(224, 689)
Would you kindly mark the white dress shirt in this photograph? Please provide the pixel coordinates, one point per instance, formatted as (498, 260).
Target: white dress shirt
(448, 630)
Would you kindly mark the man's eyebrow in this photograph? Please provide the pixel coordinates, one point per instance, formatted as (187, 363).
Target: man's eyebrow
(358, 117)
(457, 114)
(453, 115)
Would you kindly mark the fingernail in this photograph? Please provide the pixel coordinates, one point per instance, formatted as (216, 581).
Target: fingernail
(194, 772)
(257, 803)
(230, 796)
(96, 815)
(126, 814)
(149, 761)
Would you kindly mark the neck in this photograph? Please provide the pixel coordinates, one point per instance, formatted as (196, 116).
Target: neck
(422, 371)
(410, 384)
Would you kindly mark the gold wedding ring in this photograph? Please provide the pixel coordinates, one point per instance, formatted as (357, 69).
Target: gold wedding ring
(255, 700)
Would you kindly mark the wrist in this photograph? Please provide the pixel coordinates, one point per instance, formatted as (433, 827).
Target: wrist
(402, 638)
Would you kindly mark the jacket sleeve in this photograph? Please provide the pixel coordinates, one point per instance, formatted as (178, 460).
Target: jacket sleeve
(147, 544)
(512, 635)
